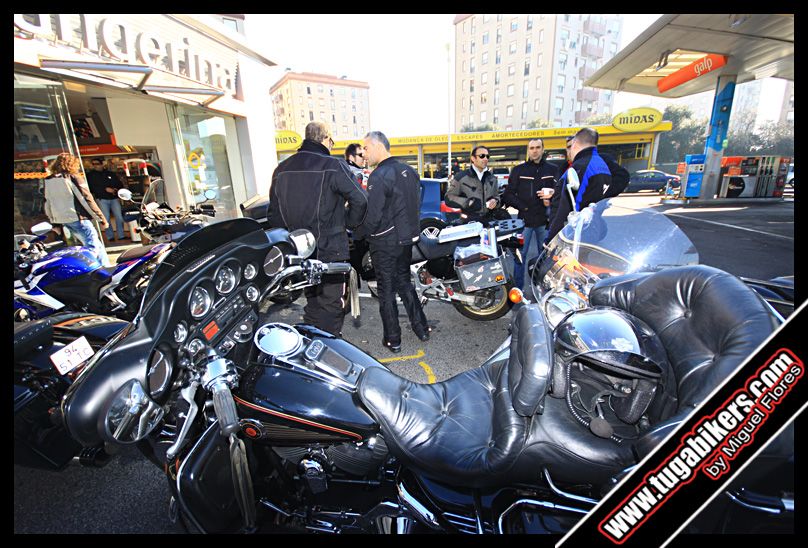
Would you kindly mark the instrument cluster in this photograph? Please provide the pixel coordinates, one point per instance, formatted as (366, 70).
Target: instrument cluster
(220, 309)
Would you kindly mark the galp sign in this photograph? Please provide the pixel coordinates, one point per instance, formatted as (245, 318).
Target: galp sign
(695, 69)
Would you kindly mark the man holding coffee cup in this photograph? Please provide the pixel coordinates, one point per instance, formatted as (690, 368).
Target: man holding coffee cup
(530, 188)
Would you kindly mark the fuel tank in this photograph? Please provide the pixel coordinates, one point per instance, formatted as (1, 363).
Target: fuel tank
(65, 264)
(306, 396)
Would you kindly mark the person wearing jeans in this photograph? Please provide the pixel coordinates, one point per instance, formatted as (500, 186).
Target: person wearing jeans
(85, 231)
(104, 185)
(530, 186)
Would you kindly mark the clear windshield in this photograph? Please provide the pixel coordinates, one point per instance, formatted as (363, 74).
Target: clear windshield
(618, 240)
(155, 193)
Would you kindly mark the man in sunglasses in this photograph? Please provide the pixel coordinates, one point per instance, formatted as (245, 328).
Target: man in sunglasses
(310, 190)
(356, 161)
(475, 190)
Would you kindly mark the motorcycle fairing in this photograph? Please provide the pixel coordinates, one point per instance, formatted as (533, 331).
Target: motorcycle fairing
(64, 264)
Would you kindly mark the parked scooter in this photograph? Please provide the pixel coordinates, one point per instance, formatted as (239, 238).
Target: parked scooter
(159, 223)
(469, 265)
(74, 278)
(259, 425)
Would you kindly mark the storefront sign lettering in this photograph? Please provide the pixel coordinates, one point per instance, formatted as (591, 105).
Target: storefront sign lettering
(637, 119)
(113, 39)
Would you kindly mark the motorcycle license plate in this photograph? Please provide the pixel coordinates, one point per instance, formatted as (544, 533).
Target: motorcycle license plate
(71, 356)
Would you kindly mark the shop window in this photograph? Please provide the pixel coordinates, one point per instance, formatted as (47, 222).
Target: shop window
(205, 139)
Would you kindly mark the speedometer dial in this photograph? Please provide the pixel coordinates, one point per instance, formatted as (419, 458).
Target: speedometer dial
(200, 302)
(225, 279)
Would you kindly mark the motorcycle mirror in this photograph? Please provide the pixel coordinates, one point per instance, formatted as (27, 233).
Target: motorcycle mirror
(41, 228)
(151, 206)
(210, 194)
(132, 414)
(304, 242)
(125, 194)
(572, 180)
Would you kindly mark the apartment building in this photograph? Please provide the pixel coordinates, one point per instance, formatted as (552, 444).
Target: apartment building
(511, 70)
(299, 98)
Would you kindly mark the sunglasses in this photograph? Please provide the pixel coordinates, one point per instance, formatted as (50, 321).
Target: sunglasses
(483, 156)
(359, 155)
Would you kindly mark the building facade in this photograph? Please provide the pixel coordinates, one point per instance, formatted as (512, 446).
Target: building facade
(300, 98)
(512, 70)
(151, 94)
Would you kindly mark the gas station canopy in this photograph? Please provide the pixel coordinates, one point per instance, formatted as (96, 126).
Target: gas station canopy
(753, 46)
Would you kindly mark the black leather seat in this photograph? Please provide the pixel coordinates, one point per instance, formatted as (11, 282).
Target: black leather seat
(430, 248)
(709, 321)
(30, 335)
(134, 253)
(496, 424)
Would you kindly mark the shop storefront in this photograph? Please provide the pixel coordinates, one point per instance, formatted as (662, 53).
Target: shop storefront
(171, 96)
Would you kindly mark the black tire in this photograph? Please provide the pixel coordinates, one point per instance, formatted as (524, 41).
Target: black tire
(431, 227)
(501, 307)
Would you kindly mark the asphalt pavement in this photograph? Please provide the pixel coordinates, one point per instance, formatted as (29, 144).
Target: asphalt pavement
(130, 495)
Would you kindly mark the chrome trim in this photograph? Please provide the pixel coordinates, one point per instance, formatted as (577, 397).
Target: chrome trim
(187, 394)
(787, 506)
(564, 494)
(532, 502)
(411, 503)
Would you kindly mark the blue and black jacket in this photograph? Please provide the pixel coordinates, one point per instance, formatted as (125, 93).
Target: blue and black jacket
(595, 178)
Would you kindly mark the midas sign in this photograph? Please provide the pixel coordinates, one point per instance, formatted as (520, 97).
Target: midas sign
(637, 119)
(287, 140)
(695, 69)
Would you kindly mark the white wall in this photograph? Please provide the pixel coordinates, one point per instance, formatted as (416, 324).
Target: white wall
(145, 122)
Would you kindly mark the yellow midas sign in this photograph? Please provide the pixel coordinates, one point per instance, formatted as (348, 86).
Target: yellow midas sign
(637, 119)
(287, 140)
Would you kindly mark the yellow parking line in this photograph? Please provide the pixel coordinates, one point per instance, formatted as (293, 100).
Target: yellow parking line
(430, 376)
(420, 354)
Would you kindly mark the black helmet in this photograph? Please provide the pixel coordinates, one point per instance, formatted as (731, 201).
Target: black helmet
(617, 349)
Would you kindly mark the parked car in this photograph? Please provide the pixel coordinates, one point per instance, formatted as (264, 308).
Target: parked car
(502, 174)
(790, 176)
(652, 179)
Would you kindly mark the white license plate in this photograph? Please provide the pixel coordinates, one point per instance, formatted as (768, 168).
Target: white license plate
(72, 355)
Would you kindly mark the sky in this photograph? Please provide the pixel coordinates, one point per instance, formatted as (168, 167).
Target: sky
(403, 58)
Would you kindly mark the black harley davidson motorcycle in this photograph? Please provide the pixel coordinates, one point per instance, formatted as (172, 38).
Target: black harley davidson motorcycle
(259, 425)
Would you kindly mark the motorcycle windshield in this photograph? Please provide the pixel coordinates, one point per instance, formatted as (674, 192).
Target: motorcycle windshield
(155, 193)
(195, 250)
(617, 240)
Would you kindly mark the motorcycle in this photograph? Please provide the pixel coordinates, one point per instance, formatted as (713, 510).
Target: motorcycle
(48, 355)
(469, 265)
(260, 425)
(74, 278)
(159, 223)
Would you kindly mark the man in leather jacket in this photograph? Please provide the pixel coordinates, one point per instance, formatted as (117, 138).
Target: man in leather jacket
(297, 183)
(475, 190)
(593, 174)
(525, 184)
(391, 227)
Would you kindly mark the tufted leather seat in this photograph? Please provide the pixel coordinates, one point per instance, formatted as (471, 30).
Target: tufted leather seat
(708, 321)
(492, 425)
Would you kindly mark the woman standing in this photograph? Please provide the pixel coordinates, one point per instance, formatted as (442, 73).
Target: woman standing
(68, 202)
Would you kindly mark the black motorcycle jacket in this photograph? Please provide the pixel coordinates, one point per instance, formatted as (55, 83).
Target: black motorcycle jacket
(470, 194)
(394, 205)
(309, 190)
(524, 182)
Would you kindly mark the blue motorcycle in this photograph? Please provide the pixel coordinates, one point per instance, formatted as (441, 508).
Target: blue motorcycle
(73, 278)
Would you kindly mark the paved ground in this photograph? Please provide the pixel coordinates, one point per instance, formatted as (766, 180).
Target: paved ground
(130, 495)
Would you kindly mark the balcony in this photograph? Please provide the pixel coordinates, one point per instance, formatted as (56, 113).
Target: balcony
(585, 72)
(594, 28)
(588, 94)
(582, 116)
(592, 50)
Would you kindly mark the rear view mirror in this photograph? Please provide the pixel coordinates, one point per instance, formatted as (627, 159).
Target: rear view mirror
(304, 242)
(132, 414)
(125, 194)
(41, 228)
(210, 194)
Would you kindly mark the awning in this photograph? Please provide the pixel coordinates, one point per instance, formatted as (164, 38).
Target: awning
(756, 45)
(151, 80)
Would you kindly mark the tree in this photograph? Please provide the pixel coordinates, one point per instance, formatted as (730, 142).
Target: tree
(770, 139)
(602, 119)
(538, 123)
(468, 128)
(686, 136)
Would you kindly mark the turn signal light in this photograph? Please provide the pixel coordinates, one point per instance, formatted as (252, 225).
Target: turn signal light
(515, 295)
